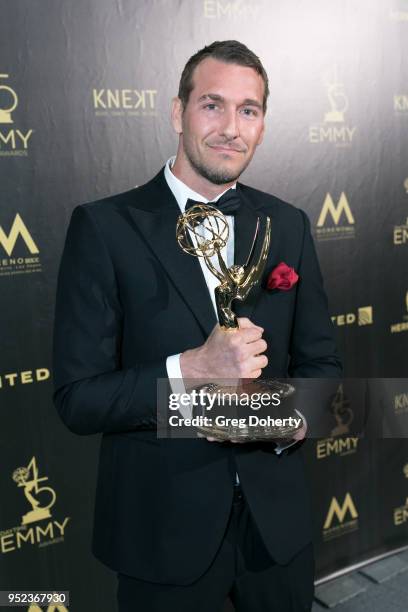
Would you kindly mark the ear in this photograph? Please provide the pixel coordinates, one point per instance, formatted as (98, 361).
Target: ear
(176, 115)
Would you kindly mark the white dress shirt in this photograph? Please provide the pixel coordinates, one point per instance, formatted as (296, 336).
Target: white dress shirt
(182, 193)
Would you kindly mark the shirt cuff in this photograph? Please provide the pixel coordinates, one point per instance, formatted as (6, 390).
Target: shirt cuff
(173, 367)
(176, 382)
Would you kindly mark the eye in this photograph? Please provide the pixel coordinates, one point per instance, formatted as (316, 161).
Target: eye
(211, 106)
(250, 112)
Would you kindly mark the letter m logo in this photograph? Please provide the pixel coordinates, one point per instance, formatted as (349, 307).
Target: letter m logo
(340, 511)
(18, 228)
(335, 211)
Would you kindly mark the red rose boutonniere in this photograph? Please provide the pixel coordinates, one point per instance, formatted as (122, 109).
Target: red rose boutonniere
(282, 277)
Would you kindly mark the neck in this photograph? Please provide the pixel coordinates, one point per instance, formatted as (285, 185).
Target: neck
(183, 170)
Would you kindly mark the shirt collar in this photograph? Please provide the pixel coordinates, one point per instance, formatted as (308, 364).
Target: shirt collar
(181, 191)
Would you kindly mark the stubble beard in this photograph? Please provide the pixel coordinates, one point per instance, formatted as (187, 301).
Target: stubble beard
(216, 175)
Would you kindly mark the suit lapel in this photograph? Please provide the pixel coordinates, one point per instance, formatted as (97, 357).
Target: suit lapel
(154, 215)
(156, 220)
(244, 230)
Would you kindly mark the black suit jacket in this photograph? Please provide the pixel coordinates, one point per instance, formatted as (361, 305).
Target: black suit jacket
(128, 297)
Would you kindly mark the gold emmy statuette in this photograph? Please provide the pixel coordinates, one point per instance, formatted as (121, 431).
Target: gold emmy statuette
(203, 232)
(27, 477)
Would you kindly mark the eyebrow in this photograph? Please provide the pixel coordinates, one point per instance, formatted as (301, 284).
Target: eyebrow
(218, 98)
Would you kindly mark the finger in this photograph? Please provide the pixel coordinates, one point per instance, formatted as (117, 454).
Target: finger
(245, 323)
(257, 363)
(250, 334)
(299, 435)
(257, 347)
(253, 374)
(250, 375)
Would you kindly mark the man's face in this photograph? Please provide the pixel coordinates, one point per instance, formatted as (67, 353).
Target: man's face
(223, 121)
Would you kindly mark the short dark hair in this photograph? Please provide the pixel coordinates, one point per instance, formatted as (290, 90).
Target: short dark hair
(228, 51)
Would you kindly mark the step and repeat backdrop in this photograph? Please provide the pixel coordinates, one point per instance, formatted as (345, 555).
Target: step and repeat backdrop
(85, 91)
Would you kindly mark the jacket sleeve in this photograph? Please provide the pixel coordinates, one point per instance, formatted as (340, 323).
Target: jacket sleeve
(92, 393)
(313, 352)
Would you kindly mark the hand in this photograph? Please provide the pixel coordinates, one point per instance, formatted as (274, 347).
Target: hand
(211, 439)
(301, 433)
(227, 354)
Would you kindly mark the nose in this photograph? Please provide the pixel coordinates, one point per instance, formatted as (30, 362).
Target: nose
(230, 125)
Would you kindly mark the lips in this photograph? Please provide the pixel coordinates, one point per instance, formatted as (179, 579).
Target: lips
(223, 149)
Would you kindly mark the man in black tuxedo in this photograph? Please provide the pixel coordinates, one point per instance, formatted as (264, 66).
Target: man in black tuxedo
(187, 522)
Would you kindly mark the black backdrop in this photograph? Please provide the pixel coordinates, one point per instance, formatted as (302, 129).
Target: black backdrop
(85, 92)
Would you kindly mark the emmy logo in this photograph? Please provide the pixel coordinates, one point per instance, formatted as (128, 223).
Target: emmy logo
(5, 113)
(203, 231)
(337, 98)
(342, 413)
(27, 477)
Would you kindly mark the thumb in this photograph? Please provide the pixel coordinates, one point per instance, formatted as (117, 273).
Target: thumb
(245, 323)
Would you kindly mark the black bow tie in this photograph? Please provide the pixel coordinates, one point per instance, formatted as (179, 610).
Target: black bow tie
(228, 203)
